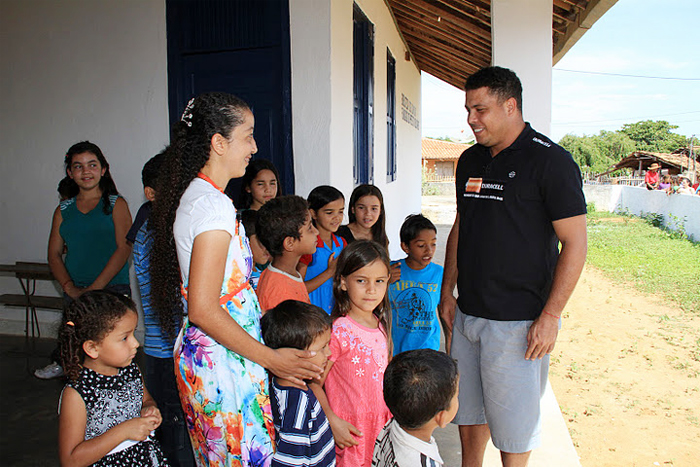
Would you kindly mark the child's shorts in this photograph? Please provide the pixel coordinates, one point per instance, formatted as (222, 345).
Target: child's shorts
(496, 384)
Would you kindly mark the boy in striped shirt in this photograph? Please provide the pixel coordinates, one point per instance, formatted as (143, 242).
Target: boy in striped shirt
(303, 434)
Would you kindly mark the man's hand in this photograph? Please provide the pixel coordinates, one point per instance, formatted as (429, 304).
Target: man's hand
(447, 308)
(542, 336)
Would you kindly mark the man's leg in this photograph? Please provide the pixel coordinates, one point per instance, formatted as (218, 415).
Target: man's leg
(512, 459)
(474, 439)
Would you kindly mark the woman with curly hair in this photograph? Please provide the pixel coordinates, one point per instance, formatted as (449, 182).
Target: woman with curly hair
(201, 252)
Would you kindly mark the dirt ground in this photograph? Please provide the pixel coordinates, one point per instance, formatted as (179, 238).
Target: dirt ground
(626, 374)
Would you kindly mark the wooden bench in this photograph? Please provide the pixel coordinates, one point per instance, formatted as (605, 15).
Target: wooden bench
(28, 274)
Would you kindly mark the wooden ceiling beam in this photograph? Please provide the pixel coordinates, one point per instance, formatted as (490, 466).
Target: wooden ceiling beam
(454, 55)
(476, 10)
(446, 33)
(461, 22)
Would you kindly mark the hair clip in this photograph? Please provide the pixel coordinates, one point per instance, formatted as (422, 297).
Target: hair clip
(70, 323)
(187, 114)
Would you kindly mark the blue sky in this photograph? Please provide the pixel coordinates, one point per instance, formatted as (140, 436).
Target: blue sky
(649, 38)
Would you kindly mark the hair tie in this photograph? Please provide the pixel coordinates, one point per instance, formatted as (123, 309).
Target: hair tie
(70, 323)
(187, 114)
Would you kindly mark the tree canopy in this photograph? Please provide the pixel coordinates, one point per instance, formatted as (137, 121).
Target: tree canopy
(595, 153)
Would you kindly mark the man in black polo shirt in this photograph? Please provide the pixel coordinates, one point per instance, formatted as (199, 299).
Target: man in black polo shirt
(518, 195)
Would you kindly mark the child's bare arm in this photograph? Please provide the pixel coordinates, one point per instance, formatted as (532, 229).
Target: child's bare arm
(149, 406)
(74, 450)
(342, 430)
(318, 281)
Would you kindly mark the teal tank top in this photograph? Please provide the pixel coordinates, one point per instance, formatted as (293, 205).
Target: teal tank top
(91, 241)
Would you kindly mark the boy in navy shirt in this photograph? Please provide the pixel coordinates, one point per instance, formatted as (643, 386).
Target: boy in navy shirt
(303, 434)
(415, 296)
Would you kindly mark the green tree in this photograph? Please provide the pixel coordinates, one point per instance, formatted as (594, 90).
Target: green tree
(654, 136)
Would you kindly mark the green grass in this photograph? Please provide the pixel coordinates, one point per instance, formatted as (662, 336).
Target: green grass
(628, 248)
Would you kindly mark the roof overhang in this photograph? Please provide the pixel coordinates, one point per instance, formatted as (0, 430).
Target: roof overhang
(451, 39)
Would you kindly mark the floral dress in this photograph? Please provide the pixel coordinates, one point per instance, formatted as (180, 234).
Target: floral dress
(224, 395)
(354, 385)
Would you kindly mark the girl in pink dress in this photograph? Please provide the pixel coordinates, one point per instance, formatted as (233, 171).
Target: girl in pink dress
(351, 390)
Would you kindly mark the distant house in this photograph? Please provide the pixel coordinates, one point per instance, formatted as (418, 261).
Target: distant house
(440, 158)
(639, 162)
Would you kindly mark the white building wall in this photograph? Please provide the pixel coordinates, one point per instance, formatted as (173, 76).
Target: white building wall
(326, 128)
(73, 71)
(522, 41)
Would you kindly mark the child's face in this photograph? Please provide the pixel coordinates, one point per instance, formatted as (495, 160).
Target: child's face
(367, 210)
(366, 287)
(118, 348)
(306, 244)
(421, 249)
(85, 170)
(330, 216)
(260, 253)
(321, 345)
(262, 188)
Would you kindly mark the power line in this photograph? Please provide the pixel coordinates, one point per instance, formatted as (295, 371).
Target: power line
(626, 76)
(626, 119)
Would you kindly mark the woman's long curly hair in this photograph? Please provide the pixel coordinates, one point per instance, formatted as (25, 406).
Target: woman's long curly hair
(67, 188)
(356, 256)
(205, 116)
(379, 227)
(90, 317)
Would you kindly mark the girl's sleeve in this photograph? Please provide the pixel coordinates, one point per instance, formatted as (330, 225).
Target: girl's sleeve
(213, 213)
(336, 343)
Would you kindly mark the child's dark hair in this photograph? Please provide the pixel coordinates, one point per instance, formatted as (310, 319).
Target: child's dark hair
(294, 324)
(254, 168)
(249, 218)
(357, 255)
(502, 82)
(67, 188)
(280, 218)
(418, 384)
(151, 169)
(89, 317)
(204, 116)
(379, 227)
(413, 226)
(322, 195)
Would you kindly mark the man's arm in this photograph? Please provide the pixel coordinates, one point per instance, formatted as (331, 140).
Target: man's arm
(448, 303)
(574, 246)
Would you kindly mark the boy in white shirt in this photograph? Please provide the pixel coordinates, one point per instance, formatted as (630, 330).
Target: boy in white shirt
(420, 389)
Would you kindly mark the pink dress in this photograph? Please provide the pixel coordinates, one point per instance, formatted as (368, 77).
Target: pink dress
(354, 385)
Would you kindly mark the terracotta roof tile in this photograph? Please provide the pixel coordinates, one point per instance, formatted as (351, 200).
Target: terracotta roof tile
(435, 149)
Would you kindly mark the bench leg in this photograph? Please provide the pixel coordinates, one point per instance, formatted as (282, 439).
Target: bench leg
(30, 316)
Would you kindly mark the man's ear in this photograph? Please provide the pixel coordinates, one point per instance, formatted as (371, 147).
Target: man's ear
(91, 349)
(218, 144)
(511, 105)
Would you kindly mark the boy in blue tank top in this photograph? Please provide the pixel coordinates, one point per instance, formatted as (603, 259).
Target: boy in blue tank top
(415, 296)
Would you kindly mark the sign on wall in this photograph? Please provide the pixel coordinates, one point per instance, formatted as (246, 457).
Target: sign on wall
(408, 112)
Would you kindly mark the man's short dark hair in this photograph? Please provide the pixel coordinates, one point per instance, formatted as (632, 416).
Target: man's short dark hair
(413, 225)
(418, 384)
(151, 169)
(294, 324)
(502, 82)
(280, 218)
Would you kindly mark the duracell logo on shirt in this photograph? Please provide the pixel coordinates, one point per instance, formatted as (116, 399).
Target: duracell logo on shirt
(483, 189)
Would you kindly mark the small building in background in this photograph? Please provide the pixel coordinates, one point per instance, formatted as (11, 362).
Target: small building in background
(440, 159)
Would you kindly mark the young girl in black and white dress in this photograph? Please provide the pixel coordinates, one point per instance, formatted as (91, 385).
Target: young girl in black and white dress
(106, 415)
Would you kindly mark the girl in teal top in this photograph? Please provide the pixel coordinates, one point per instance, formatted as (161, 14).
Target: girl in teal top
(92, 223)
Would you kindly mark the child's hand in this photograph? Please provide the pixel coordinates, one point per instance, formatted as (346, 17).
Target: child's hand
(343, 432)
(152, 410)
(332, 261)
(73, 291)
(138, 429)
(395, 273)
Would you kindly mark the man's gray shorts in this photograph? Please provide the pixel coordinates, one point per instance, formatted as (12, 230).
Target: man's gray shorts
(496, 384)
